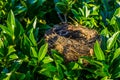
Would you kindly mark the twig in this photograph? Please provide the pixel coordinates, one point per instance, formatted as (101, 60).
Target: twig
(60, 17)
(65, 16)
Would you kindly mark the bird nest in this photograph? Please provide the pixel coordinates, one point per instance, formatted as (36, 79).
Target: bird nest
(72, 41)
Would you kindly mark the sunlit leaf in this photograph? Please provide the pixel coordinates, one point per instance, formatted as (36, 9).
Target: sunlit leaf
(42, 52)
(6, 30)
(47, 59)
(1, 43)
(98, 51)
(116, 54)
(33, 52)
(111, 41)
(117, 12)
(87, 12)
(105, 32)
(11, 21)
(13, 57)
(8, 75)
(81, 11)
(31, 24)
(10, 50)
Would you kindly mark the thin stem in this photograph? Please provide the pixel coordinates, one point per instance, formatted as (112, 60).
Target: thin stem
(60, 17)
(65, 16)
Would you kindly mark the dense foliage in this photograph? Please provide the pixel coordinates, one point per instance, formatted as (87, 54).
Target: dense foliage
(23, 51)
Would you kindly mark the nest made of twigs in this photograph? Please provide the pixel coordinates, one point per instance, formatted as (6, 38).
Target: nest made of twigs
(72, 41)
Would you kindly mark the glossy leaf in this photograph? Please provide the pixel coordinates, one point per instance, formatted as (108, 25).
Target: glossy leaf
(42, 52)
(31, 24)
(111, 41)
(19, 30)
(33, 52)
(87, 12)
(10, 50)
(13, 57)
(1, 43)
(117, 12)
(6, 30)
(47, 59)
(98, 51)
(6, 77)
(116, 53)
(32, 38)
(11, 21)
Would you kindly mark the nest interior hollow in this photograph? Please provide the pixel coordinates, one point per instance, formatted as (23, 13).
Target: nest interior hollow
(71, 41)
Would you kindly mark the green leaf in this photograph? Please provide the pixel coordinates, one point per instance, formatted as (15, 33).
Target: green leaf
(59, 70)
(105, 4)
(20, 10)
(117, 12)
(26, 44)
(42, 52)
(117, 75)
(47, 70)
(105, 32)
(6, 30)
(13, 57)
(31, 36)
(111, 41)
(87, 12)
(74, 12)
(28, 76)
(40, 2)
(1, 43)
(73, 66)
(31, 2)
(19, 76)
(116, 54)
(104, 78)
(55, 77)
(81, 11)
(10, 50)
(32, 24)
(116, 72)
(56, 56)
(115, 68)
(11, 22)
(47, 59)
(16, 65)
(33, 62)
(8, 75)
(33, 53)
(98, 51)
(19, 30)
(61, 6)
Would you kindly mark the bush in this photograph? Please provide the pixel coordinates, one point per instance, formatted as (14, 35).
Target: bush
(23, 50)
